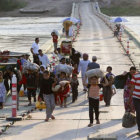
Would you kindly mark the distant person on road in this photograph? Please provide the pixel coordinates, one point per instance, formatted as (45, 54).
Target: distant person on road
(32, 81)
(135, 88)
(93, 64)
(74, 86)
(93, 96)
(2, 90)
(83, 68)
(34, 51)
(55, 40)
(43, 59)
(75, 57)
(47, 93)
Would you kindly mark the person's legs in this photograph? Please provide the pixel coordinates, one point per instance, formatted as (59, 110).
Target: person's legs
(29, 96)
(96, 109)
(55, 46)
(52, 105)
(6, 85)
(91, 110)
(47, 99)
(137, 108)
(34, 94)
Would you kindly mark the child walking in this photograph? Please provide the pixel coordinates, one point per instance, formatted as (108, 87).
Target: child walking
(47, 93)
(93, 96)
(31, 85)
(2, 91)
(55, 40)
(74, 86)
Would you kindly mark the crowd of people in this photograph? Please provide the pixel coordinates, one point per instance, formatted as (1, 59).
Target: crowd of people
(55, 87)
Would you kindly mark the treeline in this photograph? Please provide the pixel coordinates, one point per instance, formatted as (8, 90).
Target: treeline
(8, 5)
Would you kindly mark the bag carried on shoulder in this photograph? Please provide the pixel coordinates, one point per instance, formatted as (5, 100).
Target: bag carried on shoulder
(128, 120)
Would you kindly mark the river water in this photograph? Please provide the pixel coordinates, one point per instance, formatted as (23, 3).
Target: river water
(133, 24)
(18, 34)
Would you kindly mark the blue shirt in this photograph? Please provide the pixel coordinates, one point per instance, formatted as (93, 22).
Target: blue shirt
(93, 65)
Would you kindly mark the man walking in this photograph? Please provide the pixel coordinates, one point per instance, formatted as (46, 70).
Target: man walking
(136, 97)
(34, 51)
(93, 64)
(43, 59)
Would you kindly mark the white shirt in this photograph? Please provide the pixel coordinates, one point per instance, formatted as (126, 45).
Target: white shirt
(44, 59)
(83, 66)
(35, 48)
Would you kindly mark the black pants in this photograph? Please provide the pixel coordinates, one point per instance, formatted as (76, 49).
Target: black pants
(74, 94)
(93, 104)
(107, 92)
(31, 93)
(36, 59)
(7, 86)
(137, 108)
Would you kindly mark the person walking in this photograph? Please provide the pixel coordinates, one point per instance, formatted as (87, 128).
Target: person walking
(55, 40)
(135, 88)
(31, 85)
(93, 64)
(46, 91)
(93, 96)
(83, 68)
(74, 86)
(43, 59)
(2, 90)
(34, 51)
(107, 90)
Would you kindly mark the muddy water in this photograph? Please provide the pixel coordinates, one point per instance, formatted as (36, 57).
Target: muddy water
(17, 34)
(133, 24)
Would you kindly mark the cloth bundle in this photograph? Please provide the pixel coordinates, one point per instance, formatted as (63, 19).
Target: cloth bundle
(30, 66)
(95, 72)
(63, 68)
(128, 120)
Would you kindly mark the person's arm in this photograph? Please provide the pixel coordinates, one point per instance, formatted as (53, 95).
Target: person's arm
(79, 67)
(32, 51)
(47, 59)
(106, 82)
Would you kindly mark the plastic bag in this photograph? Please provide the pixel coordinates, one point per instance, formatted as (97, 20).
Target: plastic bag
(128, 120)
(56, 88)
(21, 92)
(40, 105)
(95, 72)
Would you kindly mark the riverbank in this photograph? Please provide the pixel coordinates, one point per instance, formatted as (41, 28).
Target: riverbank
(53, 8)
(120, 7)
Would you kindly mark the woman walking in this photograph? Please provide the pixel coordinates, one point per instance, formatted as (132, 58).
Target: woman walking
(128, 102)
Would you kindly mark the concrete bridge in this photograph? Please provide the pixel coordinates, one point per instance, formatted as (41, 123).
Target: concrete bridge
(96, 39)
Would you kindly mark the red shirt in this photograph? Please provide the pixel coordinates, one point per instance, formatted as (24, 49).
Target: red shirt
(55, 38)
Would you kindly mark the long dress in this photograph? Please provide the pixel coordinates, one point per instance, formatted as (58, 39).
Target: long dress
(2, 92)
(128, 102)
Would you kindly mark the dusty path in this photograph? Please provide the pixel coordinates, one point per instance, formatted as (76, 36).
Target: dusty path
(95, 38)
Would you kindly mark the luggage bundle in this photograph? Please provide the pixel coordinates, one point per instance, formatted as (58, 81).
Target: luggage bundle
(128, 120)
(95, 72)
(30, 66)
(66, 48)
(63, 68)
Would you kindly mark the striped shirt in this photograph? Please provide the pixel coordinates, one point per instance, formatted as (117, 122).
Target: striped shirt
(136, 82)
